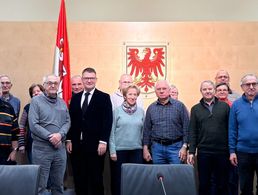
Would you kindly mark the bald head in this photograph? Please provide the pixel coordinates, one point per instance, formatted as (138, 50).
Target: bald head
(222, 76)
(76, 82)
(125, 81)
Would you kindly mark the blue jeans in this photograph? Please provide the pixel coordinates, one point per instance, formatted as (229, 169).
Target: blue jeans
(247, 165)
(162, 154)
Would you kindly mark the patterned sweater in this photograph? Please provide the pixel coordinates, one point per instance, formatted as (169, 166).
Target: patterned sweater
(8, 125)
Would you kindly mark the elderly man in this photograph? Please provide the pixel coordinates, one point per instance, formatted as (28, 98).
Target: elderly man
(243, 136)
(91, 122)
(7, 96)
(8, 133)
(49, 122)
(165, 128)
(76, 82)
(208, 131)
(222, 76)
(117, 98)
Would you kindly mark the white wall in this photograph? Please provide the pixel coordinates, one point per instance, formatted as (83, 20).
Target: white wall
(131, 10)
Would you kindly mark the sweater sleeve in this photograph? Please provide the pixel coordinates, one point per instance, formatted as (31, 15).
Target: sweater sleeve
(23, 121)
(65, 128)
(193, 132)
(147, 128)
(233, 129)
(185, 121)
(34, 121)
(112, 144)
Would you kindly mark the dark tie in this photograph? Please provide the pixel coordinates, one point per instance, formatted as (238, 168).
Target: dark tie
(85, 103)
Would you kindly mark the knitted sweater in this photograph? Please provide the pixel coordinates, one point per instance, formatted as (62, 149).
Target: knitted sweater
(209, 130)
(126, 133)
(8, 125)
(243, 126)
(47, 116)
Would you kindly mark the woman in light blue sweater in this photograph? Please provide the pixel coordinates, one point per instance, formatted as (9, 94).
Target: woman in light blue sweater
(125, 143)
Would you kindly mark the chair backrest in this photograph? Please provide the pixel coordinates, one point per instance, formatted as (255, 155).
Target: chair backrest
(19, 179)
(140, 179)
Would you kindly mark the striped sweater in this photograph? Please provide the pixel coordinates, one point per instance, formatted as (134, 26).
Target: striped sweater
(8, 125)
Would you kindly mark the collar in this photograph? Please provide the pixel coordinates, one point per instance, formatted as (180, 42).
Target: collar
(7, 97)
(209, 103)
(245, 98)
(118, 92)
(170, 101)
(91, 92)
(213, 101)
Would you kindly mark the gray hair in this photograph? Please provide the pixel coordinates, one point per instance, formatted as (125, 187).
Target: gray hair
(155, 86)
(4, 75)
(207, 81)
(45, 78)
(172, 86)
(248, 75)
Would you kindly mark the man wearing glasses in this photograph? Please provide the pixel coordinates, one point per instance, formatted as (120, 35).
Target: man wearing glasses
(7, 96)
(49, 122)
(243, 133)
(91, 122)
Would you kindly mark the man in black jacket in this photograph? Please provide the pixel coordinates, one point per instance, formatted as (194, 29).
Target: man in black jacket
(208, 131)
(91, 122)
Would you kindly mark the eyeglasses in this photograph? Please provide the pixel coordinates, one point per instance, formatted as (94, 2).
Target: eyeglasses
(6, 83)
(50, 83)
(89, 78)
(249, 84)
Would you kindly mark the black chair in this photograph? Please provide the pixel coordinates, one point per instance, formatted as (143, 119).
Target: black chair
(142, 179)
(19, 179)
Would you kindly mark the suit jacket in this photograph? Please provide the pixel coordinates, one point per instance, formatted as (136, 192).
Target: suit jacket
(95, 124)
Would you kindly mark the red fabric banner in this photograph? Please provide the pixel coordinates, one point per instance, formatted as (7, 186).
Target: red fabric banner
(62, 60)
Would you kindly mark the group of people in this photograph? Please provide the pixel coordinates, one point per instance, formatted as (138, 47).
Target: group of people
(219, 133)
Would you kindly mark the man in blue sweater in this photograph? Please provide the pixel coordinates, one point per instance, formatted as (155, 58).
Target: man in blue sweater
(243, 133)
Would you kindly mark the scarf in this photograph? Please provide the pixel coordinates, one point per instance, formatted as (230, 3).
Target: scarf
(129, 109)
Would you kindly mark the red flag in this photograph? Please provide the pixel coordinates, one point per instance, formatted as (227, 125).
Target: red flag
(62, 60)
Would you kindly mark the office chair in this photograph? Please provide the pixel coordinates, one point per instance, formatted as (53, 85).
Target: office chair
(169, 179)
(19, 179)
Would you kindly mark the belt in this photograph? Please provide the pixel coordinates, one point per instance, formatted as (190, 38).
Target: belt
(167, 142)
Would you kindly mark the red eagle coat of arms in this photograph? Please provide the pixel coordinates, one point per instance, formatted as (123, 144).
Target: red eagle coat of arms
(146, 64)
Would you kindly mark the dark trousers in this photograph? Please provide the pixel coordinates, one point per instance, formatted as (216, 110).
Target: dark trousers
(216, 165)
(123, 156)
(232, 182)
(247, 166)
(87, 171)
(4, 154)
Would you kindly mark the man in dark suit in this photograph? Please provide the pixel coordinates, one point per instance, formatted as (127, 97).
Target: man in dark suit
(91, 122)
